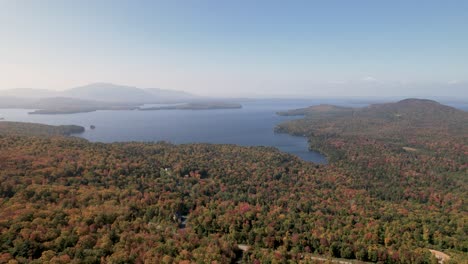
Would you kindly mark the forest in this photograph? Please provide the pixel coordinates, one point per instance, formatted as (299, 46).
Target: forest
(395, 188)
(33, 129)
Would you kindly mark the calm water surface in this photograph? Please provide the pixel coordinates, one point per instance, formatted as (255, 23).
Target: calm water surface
(253, 125)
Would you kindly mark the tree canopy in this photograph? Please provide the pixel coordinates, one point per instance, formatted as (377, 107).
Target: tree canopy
(390, 193)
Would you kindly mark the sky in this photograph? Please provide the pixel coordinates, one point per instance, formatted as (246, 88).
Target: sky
(239, 48)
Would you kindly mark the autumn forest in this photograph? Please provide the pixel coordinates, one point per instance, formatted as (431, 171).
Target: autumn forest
(394, 189)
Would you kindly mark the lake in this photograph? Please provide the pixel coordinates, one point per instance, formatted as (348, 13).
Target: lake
(253, 125)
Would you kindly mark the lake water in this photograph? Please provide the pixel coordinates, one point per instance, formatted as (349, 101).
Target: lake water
(253, 125)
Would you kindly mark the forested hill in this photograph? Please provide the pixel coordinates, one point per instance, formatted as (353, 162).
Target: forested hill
(409, 152)
(393, 145)
(409, 115)
(417, 113)
(402, 119)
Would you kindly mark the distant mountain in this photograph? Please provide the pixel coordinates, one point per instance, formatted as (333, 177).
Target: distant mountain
(109, 92)
(104, 92)
(122, 93)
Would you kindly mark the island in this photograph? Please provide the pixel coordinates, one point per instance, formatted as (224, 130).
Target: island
(195, 106)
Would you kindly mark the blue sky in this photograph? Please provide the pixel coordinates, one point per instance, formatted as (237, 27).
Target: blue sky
(239, 48)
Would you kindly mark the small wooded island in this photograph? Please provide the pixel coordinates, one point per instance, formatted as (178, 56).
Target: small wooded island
(195, 106)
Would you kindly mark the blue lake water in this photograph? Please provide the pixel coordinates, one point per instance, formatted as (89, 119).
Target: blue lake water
(253, 125)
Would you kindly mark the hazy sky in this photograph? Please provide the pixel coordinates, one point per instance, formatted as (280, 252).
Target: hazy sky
(239, 48)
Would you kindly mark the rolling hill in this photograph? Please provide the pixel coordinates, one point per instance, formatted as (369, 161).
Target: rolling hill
(409, 117)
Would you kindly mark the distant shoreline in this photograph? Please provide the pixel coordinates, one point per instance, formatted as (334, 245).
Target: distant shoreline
(189, 106)
(195, 106)
(66, 111)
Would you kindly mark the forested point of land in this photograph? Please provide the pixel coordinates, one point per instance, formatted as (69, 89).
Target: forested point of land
(33, 129)
(395, 188)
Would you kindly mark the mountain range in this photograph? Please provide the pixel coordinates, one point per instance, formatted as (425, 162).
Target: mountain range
(105, 92)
